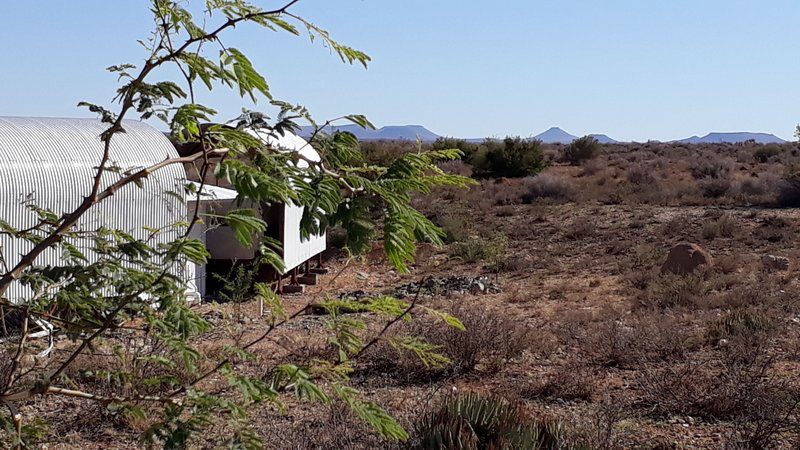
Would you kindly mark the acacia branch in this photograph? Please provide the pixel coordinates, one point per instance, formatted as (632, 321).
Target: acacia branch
(53, 390)
(391, 323)
(227, 361)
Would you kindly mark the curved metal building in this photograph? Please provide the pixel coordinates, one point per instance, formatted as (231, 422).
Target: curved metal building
(51, 162)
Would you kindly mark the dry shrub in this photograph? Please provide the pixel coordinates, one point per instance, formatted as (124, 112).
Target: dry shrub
(490, 340)
(384, 153)
(454, 222)
(503, 191)
(580, 228)
(329, 427)
(759, 188)
(789, 189)
(569, 382)
(761, 403)
(776, 229)
(710, 167)
(594, 167)
(630, 342)
(546, 186)
(457, 167)
(640, 175)
(671, 291)
(715, 187)
(676, 226)
(725, 226)
(746, 323)
(505, 211)
(492, 249)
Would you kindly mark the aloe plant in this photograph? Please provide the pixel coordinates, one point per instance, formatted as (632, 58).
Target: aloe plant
(473, 421)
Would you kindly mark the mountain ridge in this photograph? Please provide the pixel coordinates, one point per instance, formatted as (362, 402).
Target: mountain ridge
(553, 135)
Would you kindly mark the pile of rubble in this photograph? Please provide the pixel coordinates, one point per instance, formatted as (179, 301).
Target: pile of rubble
(447, 286)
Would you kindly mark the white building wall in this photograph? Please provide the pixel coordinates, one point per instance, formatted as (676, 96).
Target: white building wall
(51, 163)
(296, 250)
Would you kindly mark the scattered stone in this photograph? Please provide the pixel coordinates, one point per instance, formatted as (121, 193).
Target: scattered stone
(775, 263)
(355, 295)
(685, 258)
(447, 286)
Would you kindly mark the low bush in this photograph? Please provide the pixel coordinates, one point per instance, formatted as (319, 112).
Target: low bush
(761, 404)
(723, 226)
(671, 291)
(492, 250)
(582, 149)
(546, 186)
(789, 189)
(744, 322)
(765, 153)
(386, 152)
(631, 342)
(715, 187)
(455, 225)
(709, 166)
(570, 382)
(640, 175)
(490, 340)
(580, 228)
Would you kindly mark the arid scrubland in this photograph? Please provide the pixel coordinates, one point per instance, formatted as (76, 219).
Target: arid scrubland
(574, 338)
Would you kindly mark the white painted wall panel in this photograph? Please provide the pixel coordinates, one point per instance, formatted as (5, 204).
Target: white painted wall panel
(297, 250)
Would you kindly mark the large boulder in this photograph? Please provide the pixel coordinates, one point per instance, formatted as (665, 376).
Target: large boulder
(685, 258)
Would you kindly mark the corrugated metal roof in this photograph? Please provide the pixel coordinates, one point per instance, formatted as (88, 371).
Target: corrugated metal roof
(51, 162)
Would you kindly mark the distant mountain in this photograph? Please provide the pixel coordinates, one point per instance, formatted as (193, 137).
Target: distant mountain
(718, 138)
(603, 139)
(555, 135)
(388, 133)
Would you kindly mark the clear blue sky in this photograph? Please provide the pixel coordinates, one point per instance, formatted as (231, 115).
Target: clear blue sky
(632, 69)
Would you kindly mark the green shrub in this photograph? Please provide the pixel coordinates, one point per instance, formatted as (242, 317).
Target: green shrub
(491, 249)
(764, 153)
(471, 421)
(582, 149)
(446, 143)
(511, 157)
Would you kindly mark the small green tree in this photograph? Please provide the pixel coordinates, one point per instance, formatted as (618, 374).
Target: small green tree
(511, 157)
(582, 149)
(129, 304)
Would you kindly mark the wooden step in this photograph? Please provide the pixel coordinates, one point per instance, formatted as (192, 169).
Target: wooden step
(320, 271)
(293, 289)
